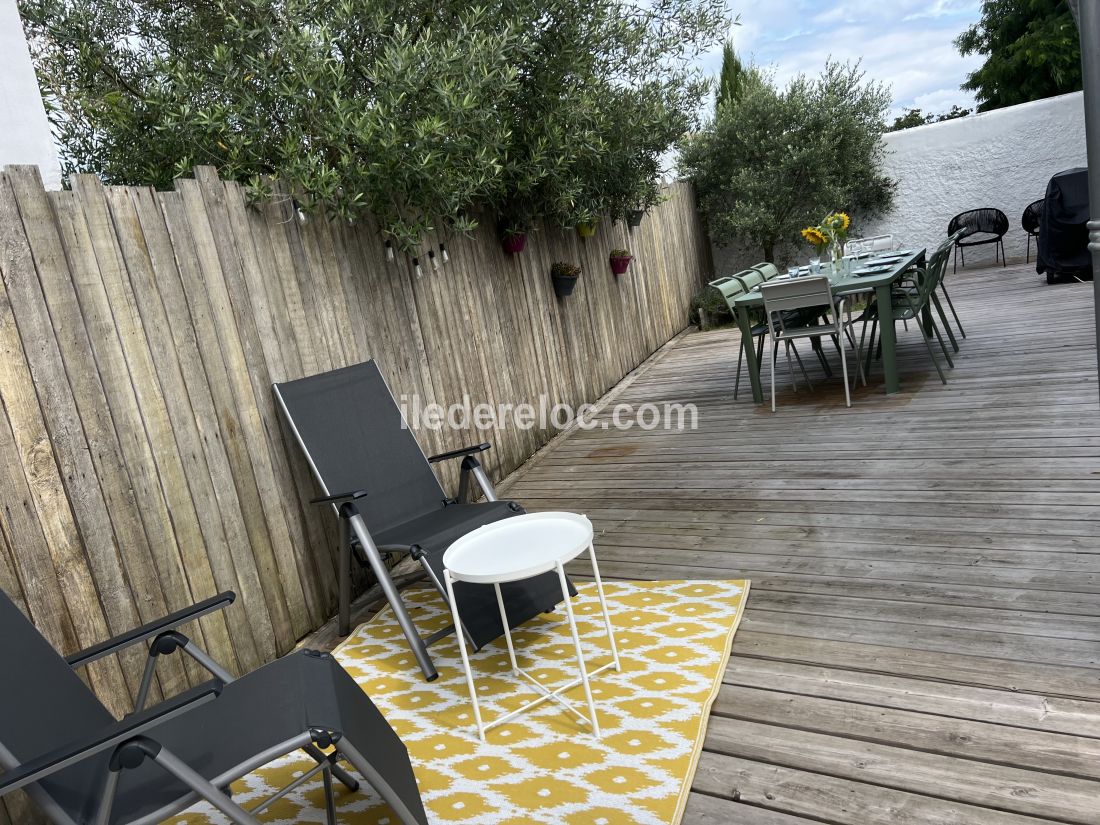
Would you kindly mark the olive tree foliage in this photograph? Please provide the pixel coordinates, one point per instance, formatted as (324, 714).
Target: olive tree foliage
(773, 160)
(416, 111)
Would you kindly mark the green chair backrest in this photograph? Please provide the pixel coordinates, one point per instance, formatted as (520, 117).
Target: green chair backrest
(768, 270)
(730, 287)
(750, 278)
(929, 277)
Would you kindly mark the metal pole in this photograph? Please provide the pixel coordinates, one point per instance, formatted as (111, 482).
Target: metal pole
(1089, 27)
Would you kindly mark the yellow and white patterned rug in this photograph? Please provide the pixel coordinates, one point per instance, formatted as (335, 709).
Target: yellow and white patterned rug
(674, 640)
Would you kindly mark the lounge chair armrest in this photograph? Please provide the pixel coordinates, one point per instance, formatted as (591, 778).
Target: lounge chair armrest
(154, 628)
(337, 498)
(108, 737)
(476, 448)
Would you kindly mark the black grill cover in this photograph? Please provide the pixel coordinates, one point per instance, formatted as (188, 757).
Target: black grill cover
(1063, 230)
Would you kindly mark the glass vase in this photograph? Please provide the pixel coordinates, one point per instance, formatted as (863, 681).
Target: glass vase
(837, 251)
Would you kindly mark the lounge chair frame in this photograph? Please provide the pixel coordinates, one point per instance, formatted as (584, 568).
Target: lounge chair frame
(133, 740)
(356, 539)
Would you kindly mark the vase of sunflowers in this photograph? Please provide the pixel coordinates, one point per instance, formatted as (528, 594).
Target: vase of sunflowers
(829, 236)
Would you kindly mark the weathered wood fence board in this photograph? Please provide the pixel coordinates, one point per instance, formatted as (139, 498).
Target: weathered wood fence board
(143, 465)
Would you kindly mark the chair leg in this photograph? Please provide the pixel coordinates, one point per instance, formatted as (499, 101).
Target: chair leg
(1001, 244)
(400, 612)
(931, 353)
(775, 352)
(790, 366)
(943, 346)
(871, 347)
(844, 373)
(737, 381)
(943, 318)
(801, 367)
(821, 359)
(951, 306)
(385, 790)
(956, 269)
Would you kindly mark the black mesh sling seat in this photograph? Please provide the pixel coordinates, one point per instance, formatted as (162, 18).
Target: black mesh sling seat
(1033, 215)
(979, 227)
(372, 470)
(81, 766)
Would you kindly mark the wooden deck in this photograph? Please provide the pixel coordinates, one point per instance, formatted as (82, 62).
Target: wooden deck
(922, 641)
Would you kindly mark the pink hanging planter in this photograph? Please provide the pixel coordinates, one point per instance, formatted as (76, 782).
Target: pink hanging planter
(514, 242)
(620, 263)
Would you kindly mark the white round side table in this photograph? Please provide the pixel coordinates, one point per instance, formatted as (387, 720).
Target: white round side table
(519, 548)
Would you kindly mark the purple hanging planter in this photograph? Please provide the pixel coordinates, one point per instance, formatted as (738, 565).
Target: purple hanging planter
(514, 242)
(620, 263)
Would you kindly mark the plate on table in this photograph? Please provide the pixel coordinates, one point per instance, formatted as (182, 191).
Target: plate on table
(877, 269)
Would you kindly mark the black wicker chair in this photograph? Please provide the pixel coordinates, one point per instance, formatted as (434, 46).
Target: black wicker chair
(980, 227)
(1030, 222)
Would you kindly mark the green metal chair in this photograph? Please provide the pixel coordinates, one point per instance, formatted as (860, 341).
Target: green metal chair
(948, 244)
(732, 287)
(750, 278)
(768, 270)
(912, 294)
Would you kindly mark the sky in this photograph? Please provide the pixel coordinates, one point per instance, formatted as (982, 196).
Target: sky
(907, 44)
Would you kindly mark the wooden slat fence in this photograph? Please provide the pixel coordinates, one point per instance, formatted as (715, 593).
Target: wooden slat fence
(142, 462)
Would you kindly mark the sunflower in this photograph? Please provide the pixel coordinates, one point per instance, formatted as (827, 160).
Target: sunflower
(814, 236)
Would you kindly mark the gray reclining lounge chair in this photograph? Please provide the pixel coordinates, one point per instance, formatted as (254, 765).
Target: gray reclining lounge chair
(372, 470)
(83, 767)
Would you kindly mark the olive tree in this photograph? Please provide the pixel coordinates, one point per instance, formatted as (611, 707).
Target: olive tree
(417, 111)
(773, 160)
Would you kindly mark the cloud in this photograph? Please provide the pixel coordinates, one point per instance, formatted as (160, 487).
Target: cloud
(906, 44)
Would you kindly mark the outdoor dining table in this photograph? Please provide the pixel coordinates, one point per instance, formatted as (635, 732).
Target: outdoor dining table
(844, 284)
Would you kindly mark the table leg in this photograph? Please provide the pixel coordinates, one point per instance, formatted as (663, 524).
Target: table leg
(750, 353)
(465, 656)
(887, 337)
(603, 608)
(580, 654)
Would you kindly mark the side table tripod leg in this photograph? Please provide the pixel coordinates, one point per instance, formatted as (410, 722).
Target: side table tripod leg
(507, 630)
(603, 607)
(580, 654)
(465, 657)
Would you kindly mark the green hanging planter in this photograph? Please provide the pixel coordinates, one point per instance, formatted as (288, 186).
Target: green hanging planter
(586, 229)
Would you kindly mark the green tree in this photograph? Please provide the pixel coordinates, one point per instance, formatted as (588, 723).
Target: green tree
(1031, 50)
(911, 118)
(732, 78)
(417, 111)
(915, 117)
(775, 160)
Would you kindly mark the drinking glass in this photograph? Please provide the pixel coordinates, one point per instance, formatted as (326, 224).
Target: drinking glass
(792, 271)
(815, 264)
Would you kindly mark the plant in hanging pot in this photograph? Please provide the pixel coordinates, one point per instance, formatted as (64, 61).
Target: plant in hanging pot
(587, 228)
(564, 275)
(634, 217)
(512, 240)
(620, 260)
(512, 231)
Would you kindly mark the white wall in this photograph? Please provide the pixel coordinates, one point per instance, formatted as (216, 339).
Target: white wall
(24, 131)
(1002, 158)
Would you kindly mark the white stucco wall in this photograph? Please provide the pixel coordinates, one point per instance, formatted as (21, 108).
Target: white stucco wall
(1002, 158)
(24, 130)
